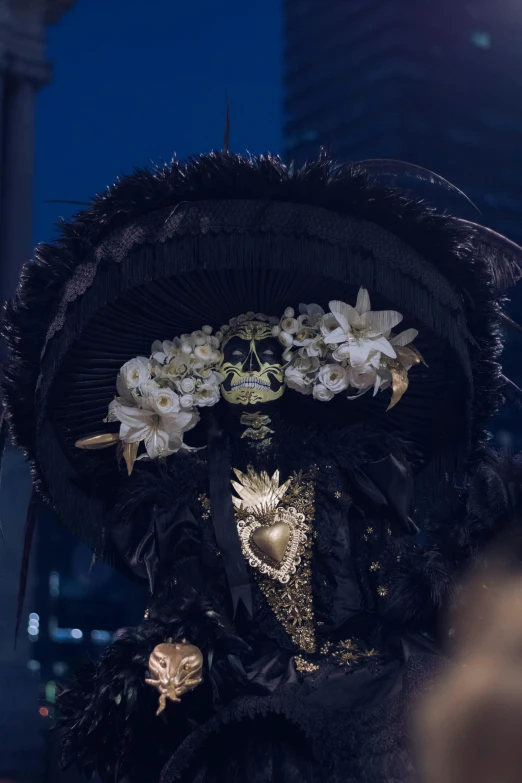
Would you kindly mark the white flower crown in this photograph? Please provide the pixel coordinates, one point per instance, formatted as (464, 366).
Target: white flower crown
(325, 354)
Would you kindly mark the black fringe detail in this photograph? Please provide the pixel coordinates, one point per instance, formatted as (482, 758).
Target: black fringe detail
(106, 721)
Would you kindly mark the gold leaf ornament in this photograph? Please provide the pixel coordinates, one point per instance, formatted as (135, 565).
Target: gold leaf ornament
(174, 669)
(407, 356)
(258, 493)
(99, 441)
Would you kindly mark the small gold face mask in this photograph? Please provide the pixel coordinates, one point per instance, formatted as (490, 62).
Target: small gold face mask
(252, 365)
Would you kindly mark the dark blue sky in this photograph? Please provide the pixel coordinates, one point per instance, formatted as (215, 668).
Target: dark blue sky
(136, 81)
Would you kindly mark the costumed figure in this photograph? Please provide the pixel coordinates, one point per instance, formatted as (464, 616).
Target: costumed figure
(250, 386)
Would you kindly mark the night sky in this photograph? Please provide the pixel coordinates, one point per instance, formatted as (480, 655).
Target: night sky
(136, 81)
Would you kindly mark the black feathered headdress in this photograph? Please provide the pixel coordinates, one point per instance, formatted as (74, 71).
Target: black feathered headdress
(164, 251)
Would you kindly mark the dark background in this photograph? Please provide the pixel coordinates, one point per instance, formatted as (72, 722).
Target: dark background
(439, 84)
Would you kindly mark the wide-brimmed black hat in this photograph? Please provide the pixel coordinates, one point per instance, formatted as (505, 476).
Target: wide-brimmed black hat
(163, 252)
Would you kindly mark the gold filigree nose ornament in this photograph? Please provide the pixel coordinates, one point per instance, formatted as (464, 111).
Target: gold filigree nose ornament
(174, 670)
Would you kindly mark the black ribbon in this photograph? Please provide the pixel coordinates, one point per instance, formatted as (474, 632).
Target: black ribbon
(388, 483)
(224, 519)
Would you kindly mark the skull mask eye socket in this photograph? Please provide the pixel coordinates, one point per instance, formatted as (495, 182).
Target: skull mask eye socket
(252, 366)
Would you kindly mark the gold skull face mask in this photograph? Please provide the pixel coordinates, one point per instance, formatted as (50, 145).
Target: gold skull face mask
(252, 365)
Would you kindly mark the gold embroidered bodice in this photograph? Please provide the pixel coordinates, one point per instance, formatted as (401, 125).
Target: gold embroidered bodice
(275, 528)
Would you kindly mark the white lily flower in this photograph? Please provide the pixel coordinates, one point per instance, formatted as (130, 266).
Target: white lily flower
(162, 436)
(362, 329)
(404, 338)
(163, 352)
(313, 312)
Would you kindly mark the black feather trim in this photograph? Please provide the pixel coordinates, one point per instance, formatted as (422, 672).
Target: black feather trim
(422, 580)
(443, 241)
(108, 717)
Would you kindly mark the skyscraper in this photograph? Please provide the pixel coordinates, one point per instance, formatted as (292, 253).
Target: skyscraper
(437, 84)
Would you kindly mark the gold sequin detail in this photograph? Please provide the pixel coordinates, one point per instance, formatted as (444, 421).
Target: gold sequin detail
(205, 504)
(292, 602)
(345, 653)
(304, 666)
(374, 566)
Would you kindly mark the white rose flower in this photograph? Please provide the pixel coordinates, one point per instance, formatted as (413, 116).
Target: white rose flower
(165, 402)
(273, 320)
(202, 372)
(322, 393)
(225, 328)
(334, 377)
(261, 317)
(206, 329)
(362, 377)
(296, 380)
(147, 390)
(204, 352)
(289, 312)
(342, 352)
(186, 348)
(207, 395)
(233, 323)
(241, 318)
(286, 339)
(289, 325)
(276, 330)
(216, 377)
(186, 400)
(188, 385)
(135, 372)
(250, 315)
(329, 325)
(200, 338)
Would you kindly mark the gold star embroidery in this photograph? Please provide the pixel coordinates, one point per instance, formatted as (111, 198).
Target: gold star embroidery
(374, 566)
(382, 591)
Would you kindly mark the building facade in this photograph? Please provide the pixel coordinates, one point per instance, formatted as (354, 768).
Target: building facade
(24, 69)
(437, 84)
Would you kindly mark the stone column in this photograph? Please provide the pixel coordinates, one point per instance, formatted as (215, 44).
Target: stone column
(17, 179)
